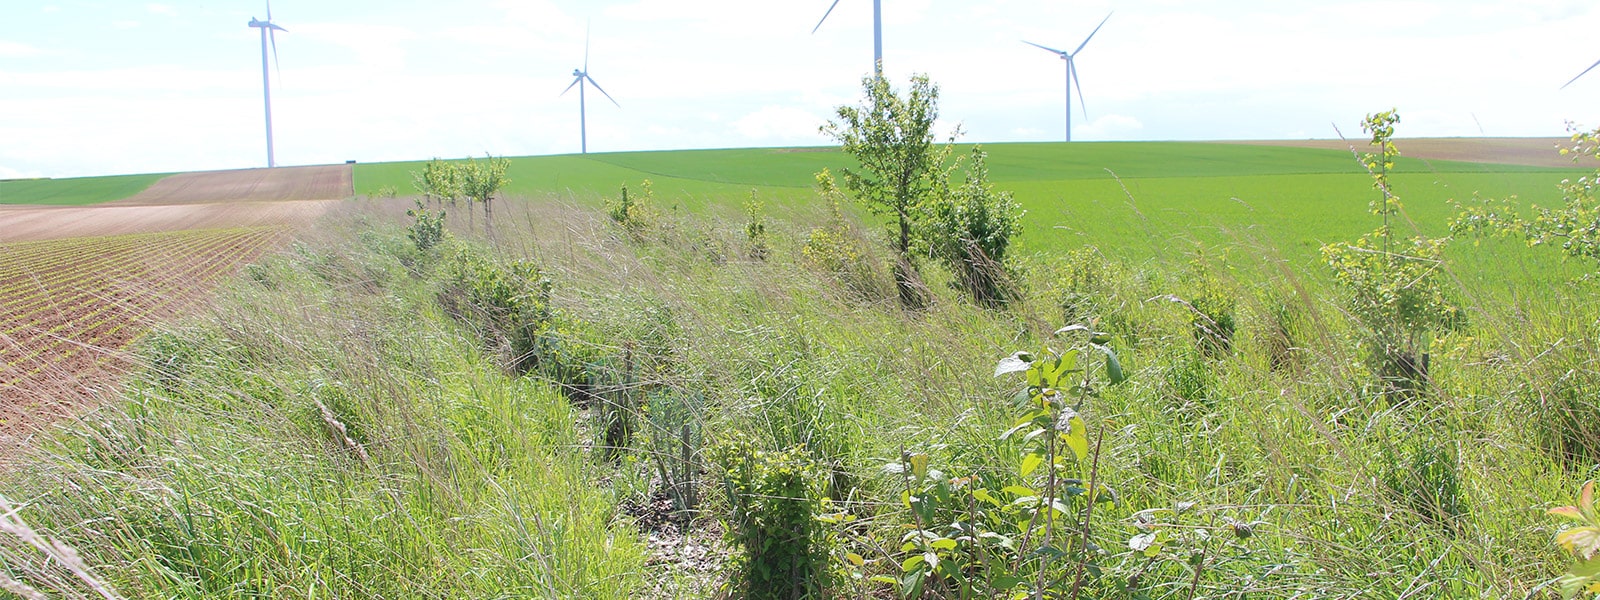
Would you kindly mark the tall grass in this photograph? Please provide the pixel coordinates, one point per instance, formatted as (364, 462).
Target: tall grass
(326, 430)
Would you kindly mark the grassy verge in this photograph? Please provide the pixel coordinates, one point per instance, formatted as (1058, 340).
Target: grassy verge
(335, 428)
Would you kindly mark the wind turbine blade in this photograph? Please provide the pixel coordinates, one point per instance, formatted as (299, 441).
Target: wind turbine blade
(1585, 72)
(1075, 83)
(574, 83)
(825, 16)
(269, 10)
(1091, 34)
(586, 28)
(277, 65)
(1044, 47)
(602, 90)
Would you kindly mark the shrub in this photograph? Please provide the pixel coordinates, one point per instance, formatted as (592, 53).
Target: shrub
(439, 181)
(755, 229)
(481, 181)
(427, 231)
(510, 302)
(969, 228)
(635, 213)
(775, 498)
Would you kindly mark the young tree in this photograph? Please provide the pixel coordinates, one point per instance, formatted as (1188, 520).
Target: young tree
(480, 182)
(1573, 227)
(893, 139)
(438, 181)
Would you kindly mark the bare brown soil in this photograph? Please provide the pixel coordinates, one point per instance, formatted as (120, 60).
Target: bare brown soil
(61, 358)
(331, 182)
(1533, 152)
(32, 223)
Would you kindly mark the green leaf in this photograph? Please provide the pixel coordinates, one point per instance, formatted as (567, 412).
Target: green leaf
(1113, 366)
(1030, 462)
(909, 564)
(943, 544)
(1077, 437)
(911, 585)
(1018, 490)
(984, 495)
(1014, 363)
(919, 465)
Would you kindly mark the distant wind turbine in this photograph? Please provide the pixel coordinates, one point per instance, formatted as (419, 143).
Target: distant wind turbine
(579, 76)
(1072, 73)
(877, 33)
(1585, 72)
(268, 30)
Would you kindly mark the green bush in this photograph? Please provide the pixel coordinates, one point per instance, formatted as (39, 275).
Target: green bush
(635, 213)
(774, 500)
(970, 228)
(427, 231)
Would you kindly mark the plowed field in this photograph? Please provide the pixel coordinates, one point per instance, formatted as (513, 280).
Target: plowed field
(79, 284)
(68, 307)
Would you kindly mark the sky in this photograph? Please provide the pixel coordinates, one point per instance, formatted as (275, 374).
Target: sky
(108, 87)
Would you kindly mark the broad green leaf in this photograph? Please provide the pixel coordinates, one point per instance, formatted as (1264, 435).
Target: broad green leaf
(1019, 490)
(1077, 437)
(1113, 366)
(911, 585)
(919, 465)
(855, 559)
(943, 544)
(1582, 541)
(984, 495)
(1030, 462)
(1014, 363)
(911, 563)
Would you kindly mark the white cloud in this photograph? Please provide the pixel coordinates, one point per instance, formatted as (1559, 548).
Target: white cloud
(779, 124)
(1109, 127)
(161, 9)
(10, 173)
(376, 46)
(16, 50)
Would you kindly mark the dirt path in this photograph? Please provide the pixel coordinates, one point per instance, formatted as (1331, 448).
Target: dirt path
(1533, 152)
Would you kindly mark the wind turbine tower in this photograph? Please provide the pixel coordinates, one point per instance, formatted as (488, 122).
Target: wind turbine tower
(268, 31)
(579, 76)
(1072, 73)
(877, 33)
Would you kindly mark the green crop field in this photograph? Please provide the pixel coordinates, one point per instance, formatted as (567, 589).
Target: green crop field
(74, 191)
(1136, 200)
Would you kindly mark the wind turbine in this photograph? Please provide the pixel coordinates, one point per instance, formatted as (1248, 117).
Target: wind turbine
(578, 77)
(1585, 72)
(1072, 72)
(877, 33)
(268, 30)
